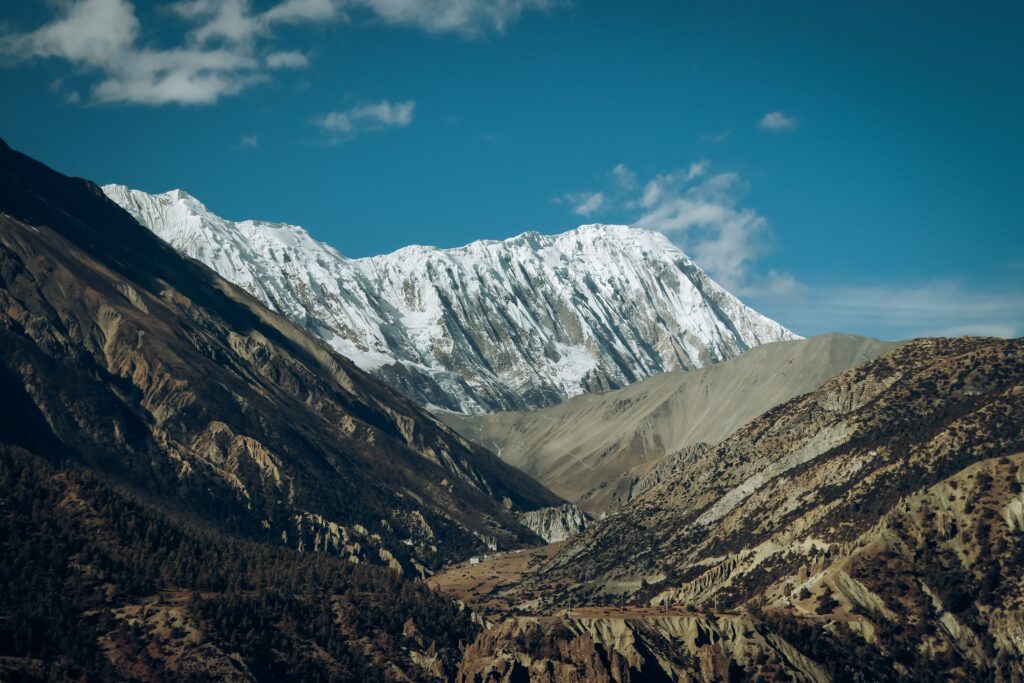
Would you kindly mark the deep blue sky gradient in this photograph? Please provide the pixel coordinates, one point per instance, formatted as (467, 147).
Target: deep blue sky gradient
(903, 174)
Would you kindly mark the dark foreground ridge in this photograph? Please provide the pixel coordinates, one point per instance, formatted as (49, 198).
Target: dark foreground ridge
(95, 584)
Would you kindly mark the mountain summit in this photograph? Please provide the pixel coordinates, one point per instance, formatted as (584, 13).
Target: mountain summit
(494, 325)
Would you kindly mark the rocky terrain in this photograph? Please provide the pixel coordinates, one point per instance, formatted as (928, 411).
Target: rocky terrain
(602, 450)
(595, 645)
(517, 324)
(815, 471)
(869, 530)
(120, 355)
(555, 524)
(192, 487)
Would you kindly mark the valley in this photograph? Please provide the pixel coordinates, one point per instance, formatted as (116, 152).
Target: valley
(191, 392)
(197, 477)
(601, 450)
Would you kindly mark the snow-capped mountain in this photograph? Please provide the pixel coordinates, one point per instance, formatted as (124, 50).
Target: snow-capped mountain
(494, 325)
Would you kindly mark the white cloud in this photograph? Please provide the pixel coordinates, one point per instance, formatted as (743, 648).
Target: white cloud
(346, 124)
(184, 76)
(583, 203)
(57, 87)
(706, 222)
(777, 121)
(777, 284)
(697, 169)
(218, 53)
(103, 35)
(717, 137)
(699, 211)
(467, 17)
(624, 177)
(251, 141)
(286, 60)
(93, 32)
(703, 213)
(297, 11)
(229, 20)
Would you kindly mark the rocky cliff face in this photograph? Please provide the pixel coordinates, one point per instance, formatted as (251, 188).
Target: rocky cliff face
(522, 323)
(555, 524)
(579, 649)
(121, 355)
(932, 591)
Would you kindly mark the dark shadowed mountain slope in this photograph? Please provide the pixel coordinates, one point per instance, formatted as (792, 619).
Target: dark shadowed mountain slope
(121, 355)
(96, 586)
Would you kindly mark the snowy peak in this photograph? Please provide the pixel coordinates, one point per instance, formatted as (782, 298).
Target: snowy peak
(494, 325)
(250, 254)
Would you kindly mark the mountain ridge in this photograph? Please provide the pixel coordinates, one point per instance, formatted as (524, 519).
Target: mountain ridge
(149, 368)
(495, 324)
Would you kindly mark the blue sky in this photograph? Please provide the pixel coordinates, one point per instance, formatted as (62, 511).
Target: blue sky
(849, 166)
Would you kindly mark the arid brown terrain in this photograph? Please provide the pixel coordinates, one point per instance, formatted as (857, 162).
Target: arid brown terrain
(192, 488)
(870, 530)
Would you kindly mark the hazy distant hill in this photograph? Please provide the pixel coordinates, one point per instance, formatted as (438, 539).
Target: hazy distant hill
(598, 449)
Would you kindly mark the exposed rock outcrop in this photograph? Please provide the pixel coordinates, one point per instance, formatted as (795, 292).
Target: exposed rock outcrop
(555, 524)
(580, 649)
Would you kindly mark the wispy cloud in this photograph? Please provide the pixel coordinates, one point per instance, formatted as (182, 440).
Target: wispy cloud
(103, 36)
(346, 124)
(697, 208)
(624, 177)
(705, 219)
(702, 211)
(777, 122)
(896, 311)
(299, 11)
(717, 137)
(286, 60)
(218, 54)
(470, 18)
(251, 141)
(582, 203)
(697, 169)
(230, 20)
